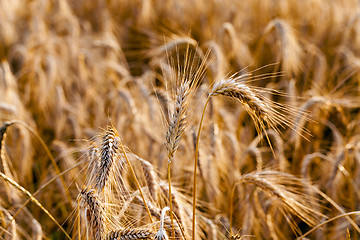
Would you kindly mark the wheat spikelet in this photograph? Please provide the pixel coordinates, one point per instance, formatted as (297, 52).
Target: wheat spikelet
(130, 234)
(109, 147)
(94, 211)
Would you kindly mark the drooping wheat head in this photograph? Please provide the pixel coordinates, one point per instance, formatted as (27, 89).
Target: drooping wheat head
(291, 193)
(263, 111)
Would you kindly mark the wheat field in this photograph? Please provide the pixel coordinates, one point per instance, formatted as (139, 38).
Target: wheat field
(149, 119)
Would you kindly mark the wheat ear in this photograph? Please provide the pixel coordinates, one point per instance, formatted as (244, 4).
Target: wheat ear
(176, 130)
(262, 111)
(178, 120)
(130, 234)
(94, 211)
(286, 188)
(109, 147)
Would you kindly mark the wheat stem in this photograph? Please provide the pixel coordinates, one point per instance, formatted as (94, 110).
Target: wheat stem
(195, 166)
(231, 205)
(79, 228)
(170, 199)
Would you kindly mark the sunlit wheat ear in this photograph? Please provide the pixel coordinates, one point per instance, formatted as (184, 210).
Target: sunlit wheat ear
(109, 148)
(89, 199)
(130, 234)
(187, 80)
(177, 121)
(263, 111)
(291, 195)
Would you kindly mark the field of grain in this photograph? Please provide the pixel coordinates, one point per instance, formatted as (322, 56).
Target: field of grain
(148, 119)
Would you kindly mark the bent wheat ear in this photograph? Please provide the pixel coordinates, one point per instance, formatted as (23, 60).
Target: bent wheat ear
(291, 193)
(262, 110)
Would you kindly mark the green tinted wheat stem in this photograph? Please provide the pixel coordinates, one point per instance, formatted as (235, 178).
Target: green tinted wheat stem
(195, 166)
